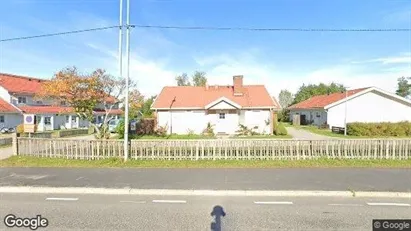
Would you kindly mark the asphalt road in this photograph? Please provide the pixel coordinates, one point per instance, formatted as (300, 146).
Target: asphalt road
(327, 179)
(94, 212)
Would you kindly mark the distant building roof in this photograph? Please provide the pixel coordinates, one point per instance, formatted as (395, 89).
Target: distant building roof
(321, 101)
(20, 84)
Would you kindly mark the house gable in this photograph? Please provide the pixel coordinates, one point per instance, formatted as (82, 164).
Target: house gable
(376, 91)
(222, 103)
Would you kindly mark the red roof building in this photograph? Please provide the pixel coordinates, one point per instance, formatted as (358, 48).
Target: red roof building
(190, 108)
(366, 105)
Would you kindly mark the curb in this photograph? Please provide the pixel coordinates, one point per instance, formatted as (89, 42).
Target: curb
(174, 192)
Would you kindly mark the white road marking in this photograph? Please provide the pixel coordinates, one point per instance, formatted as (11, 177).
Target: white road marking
(61, 199)
(80, 178)
(388, 204)
(135, 202)
(170, 201)
(273, 202)
(345, 204)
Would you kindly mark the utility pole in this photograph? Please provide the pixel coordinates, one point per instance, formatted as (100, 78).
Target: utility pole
(126, 119)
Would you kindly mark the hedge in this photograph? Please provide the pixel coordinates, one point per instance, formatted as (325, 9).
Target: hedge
(379, 129)
(280, 130)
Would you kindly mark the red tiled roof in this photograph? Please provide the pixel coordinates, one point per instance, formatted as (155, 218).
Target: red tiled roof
(20, 84)
(6, 107)
(112, 112)
(46, 109)
(321, 101)
(28, 85)
(190, 96)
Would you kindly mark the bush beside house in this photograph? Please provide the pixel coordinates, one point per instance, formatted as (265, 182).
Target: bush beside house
(280, 130)
(379, 129)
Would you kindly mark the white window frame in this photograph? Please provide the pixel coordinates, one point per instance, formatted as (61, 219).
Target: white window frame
(20, 99)
(45, 120)
(221, 115)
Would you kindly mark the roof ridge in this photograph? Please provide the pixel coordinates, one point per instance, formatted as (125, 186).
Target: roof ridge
(20, 76)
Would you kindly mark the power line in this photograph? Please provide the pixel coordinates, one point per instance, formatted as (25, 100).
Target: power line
(214, 29)
(277, 29)
(59, 33)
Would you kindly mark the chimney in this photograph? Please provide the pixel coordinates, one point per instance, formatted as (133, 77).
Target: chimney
(238, 85)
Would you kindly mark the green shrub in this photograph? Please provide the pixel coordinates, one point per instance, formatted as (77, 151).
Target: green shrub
(280, 130)
(120, 129)
(379, 129)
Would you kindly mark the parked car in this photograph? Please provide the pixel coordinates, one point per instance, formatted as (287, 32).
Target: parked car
(112, 125)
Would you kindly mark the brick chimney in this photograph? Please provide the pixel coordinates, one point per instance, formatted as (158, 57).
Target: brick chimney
(238, 85)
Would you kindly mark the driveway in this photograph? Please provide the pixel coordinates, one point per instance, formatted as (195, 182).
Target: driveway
(6, 152)
(301, 134)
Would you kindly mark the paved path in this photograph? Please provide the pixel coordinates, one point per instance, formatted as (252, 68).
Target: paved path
(326, 179)
(6, 152)
(97, 212)
(302, 134)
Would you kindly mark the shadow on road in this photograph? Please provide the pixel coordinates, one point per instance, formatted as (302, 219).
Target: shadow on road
(217, 213)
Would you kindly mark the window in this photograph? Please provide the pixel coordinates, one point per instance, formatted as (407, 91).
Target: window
(318, 114)
(21, 99)
(67, 119)
(47, 120)
(63, 103)
(73, 118)
(39, 102)
(2, 119)
(222, 115)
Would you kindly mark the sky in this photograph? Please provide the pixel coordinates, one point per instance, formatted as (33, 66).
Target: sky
(277, 59)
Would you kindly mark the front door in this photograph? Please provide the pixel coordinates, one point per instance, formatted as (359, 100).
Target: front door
(221, 122)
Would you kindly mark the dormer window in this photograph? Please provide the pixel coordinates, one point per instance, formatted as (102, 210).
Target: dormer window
(21, 99)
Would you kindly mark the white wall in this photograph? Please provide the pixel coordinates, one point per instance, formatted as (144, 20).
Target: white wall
(311, 115)
(197, 120)
(182, 121)
(4, 94)
(370, 107)
(11, 120)
(257, 118)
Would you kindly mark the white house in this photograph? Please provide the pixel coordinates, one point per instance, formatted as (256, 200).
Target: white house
(185, 109)
(17, 98)
(369, 104)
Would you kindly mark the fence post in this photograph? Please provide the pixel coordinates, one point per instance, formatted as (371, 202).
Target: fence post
(14, 144)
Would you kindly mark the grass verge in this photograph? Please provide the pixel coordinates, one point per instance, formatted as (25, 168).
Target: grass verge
(25, 161)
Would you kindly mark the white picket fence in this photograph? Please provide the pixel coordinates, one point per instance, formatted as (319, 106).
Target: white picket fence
(224, 149)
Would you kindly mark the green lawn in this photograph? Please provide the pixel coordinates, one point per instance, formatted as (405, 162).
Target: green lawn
(24, 161)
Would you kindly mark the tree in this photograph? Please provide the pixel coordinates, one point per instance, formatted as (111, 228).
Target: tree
(307, 91)
(285, 98)
(404, 87)
(182, 80)
(86, 92)
(199, 79)
(136, 101)
(146, 109)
